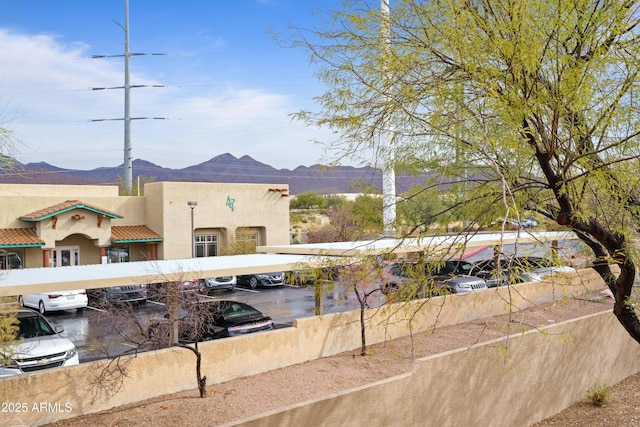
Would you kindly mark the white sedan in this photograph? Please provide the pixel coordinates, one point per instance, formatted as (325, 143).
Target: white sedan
(55, 301)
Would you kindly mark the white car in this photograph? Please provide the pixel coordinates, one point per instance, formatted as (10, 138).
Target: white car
(39, 347)
(55, 301)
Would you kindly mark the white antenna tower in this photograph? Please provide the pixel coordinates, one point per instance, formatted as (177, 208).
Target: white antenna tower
(386, 141)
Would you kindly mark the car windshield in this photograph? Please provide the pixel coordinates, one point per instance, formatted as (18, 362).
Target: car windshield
(237, 309)
(403, 269)
(440, 269)
(34, 326)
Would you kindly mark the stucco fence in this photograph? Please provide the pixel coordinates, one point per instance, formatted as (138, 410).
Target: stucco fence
(542, 374)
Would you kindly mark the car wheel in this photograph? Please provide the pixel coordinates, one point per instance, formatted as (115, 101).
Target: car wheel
(21, 301)
(253, 282)
(202, 287)
(41, 308)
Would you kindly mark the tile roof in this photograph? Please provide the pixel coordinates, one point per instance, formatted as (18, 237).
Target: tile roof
(64, 207)
(134, 233)
(14, 237)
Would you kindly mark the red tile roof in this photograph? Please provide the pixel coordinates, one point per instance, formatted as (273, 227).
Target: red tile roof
(134, 233)
(11, 237)
(64, 207)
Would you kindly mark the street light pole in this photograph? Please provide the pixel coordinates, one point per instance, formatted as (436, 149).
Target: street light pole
(192, 204)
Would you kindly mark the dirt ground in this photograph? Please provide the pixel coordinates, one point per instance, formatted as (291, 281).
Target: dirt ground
(244, 397)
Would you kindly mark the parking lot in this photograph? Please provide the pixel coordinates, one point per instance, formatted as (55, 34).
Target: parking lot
(283, 304)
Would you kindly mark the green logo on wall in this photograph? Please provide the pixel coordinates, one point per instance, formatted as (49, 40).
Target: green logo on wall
(231, 203)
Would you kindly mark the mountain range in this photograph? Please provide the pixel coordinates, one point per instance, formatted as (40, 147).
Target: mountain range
(222, 168)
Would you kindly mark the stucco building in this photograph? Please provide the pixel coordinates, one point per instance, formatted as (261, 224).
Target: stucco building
(60, 225)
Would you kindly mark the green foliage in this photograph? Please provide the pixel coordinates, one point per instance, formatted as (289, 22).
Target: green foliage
(8, 327)
(420, 207)
(368, 210)
(308, 200)
(509, 107)
(599, 394)
(334, 200)
(242, 245)
(351, 220)
(137, 186)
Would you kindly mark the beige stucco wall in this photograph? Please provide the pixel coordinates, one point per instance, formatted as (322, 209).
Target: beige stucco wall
(253, 206)
(163, 208)
(515, 381)
(60, 191)
(170, 370)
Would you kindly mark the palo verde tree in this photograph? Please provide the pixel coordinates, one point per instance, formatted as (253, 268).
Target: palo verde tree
(520, 105)
(184, 323)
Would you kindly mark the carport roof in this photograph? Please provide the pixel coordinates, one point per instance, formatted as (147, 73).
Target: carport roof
(278, 258)
(429, 243)
(33, 280)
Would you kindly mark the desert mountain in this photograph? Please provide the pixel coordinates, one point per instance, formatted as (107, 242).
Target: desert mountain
(222, 168)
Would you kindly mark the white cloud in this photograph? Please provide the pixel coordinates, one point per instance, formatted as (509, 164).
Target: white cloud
(45, 88)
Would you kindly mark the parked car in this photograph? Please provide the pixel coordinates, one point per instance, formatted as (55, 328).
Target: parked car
(212, 319)
(213, 284)
(55, 301)
(529, 222)
(450, 276)
(158, 291)
(266, 279)
(486, 269)
(38, 346)
(518, 270)
(120, 294)
(533, 269)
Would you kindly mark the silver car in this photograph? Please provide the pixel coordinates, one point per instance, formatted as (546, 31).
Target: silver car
(445, 276)
(221, 283)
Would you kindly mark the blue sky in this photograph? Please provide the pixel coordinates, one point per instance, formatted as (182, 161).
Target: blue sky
(229, 86)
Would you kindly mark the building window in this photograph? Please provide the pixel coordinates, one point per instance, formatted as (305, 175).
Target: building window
(118, 254)
(206, 245)
(10, 260)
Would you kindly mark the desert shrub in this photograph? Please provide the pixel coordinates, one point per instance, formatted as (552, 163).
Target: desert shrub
(599, 394)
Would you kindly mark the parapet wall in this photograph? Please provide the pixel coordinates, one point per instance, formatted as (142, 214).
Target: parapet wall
(69, 392)
(502, 383)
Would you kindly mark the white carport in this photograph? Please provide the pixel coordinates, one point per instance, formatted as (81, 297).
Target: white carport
(271, 258)
(448, 243)
(33, 280)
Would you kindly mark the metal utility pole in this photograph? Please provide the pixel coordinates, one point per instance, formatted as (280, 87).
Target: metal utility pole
(128, 167)
(386, 138)
(127, 173)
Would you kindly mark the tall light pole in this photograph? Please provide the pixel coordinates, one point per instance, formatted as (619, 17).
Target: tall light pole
(192, 204)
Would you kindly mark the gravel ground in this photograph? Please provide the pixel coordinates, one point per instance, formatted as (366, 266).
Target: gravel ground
(244, 397)
(623, 411)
